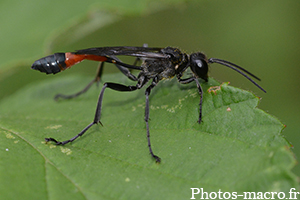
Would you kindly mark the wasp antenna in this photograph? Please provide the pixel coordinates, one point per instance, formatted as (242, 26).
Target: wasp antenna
(220, 61)
(234, 67)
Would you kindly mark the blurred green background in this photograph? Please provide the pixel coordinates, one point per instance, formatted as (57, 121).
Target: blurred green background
(261, 36)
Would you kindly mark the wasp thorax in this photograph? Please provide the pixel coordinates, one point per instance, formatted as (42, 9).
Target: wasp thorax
(175, 54)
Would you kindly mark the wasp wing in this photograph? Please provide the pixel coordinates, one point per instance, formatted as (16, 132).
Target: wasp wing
(142, 52)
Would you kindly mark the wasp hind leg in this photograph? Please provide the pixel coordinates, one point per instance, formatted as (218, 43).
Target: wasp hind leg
(113, 86)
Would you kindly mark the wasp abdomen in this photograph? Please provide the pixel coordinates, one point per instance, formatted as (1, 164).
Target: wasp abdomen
(50, 64)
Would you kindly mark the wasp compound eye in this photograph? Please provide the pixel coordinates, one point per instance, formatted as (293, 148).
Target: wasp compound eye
(199, 65)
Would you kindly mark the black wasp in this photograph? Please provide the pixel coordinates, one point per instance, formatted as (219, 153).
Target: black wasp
(157, 64)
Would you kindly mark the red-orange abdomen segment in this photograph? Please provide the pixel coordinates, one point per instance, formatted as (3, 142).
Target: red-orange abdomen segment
(72, 59)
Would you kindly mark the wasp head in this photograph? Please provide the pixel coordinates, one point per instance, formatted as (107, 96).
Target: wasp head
(199, 66)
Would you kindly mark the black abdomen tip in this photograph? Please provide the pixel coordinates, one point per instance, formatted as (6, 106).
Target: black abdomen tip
(50, 64)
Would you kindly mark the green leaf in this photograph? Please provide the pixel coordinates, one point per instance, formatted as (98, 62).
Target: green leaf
(236, 148)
